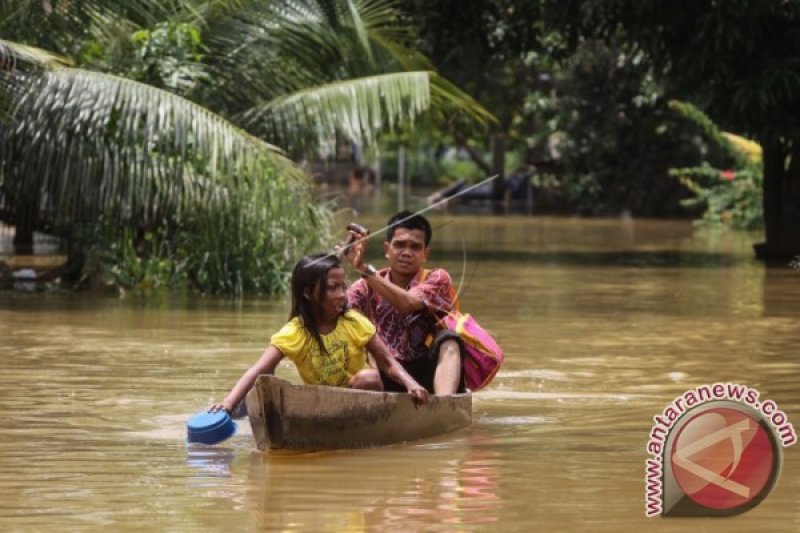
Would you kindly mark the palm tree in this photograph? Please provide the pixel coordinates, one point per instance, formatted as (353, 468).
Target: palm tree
(81, 146)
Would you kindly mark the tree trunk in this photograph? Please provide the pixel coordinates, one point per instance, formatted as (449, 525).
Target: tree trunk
(23, 238)
(781, 205)
(23, 217)
(499, 200)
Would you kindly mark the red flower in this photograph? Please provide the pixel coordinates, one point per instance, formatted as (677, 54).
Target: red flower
(727, 175)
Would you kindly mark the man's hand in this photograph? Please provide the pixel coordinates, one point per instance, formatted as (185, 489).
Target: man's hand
(355, 252)
(419, 393)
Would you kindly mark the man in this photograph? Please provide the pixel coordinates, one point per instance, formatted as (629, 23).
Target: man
(405, 311)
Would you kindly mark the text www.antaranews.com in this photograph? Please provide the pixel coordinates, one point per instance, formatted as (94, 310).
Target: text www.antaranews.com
(654, 466)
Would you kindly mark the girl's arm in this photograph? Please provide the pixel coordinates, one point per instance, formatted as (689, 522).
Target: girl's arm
(395, 370)
(265, 365)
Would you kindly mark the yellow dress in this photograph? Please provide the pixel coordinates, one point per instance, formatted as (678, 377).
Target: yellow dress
(346, 347)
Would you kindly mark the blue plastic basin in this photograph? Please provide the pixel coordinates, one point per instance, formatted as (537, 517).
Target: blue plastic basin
(210, 428)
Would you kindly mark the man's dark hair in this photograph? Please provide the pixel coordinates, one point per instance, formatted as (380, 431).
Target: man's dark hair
(408, 220)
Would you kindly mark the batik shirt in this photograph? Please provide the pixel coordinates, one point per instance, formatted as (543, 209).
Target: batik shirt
(405, 335)
(346, 347)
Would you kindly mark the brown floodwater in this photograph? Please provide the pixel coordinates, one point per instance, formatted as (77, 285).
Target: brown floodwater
(603, 323)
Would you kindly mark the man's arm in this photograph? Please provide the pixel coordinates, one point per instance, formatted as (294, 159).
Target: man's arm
(401, 299)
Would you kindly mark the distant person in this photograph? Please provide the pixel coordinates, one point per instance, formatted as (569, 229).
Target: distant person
(326, 341)
(360, 185)
(405, 310)
(320, 181)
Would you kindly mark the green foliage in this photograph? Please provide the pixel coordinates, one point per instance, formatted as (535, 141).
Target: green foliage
(168, 56)
(299, 72)
(460, 168)
(139, 271)
(252, 246)
(453, 164)
(162, 166)
(485, 47)
(732, 196)
(737, 57)
(246, 248)
(616, 136)
(123, 146)
(739, 60)
(728, 197)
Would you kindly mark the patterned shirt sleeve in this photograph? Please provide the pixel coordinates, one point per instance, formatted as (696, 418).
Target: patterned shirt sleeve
(436, 291)
(357, 296)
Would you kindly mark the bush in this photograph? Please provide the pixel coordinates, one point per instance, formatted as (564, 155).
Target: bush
(618, 138)
(247, 246)
(729, 193)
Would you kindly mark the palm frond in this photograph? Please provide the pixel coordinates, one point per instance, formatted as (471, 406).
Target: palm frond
(86, 143)
(357, 108)
(449, 99)
(387, 33)
(11, 53)
(361, 109)
(261, 54)
(360, 29)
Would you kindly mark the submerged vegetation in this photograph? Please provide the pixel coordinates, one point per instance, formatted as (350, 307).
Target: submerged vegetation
(141, 136)
(162, 140)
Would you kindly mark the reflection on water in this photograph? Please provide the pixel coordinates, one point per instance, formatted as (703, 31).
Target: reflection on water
(210, 461)
(450, 483)
(603, 323)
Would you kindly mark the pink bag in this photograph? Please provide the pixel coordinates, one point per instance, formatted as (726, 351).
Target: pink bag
(483, 357)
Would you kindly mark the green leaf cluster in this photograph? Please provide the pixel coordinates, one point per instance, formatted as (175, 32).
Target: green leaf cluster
(163, 127)
(731, 195)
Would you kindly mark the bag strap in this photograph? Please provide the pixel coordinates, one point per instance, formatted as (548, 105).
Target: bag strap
(456, 306)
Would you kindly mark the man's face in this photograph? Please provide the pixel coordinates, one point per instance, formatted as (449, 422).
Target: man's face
(406, 251)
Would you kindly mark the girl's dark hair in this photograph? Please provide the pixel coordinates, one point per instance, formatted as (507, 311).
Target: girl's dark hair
(311, 271)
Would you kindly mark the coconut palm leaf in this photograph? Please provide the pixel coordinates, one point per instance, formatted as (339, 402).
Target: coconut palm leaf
(12, 56)
(84, 144)
(55, 14)
(276, 48)
(360, 108)
(360, 28)
(62, 26)
(309, 69)
(448, 99)
(81, 149)
(357, 108)
(11, 53)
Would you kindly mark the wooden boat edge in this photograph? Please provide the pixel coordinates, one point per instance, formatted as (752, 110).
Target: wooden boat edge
(287, 415)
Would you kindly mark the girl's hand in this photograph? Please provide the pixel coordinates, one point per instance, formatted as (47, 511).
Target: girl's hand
(419, 393)
(222, 406)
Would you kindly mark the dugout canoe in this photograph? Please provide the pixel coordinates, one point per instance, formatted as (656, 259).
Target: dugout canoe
(314, 417)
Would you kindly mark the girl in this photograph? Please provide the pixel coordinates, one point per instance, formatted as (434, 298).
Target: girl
(326, 341)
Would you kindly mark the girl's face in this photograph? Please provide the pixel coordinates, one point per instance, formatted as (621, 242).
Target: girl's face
(334, 299)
